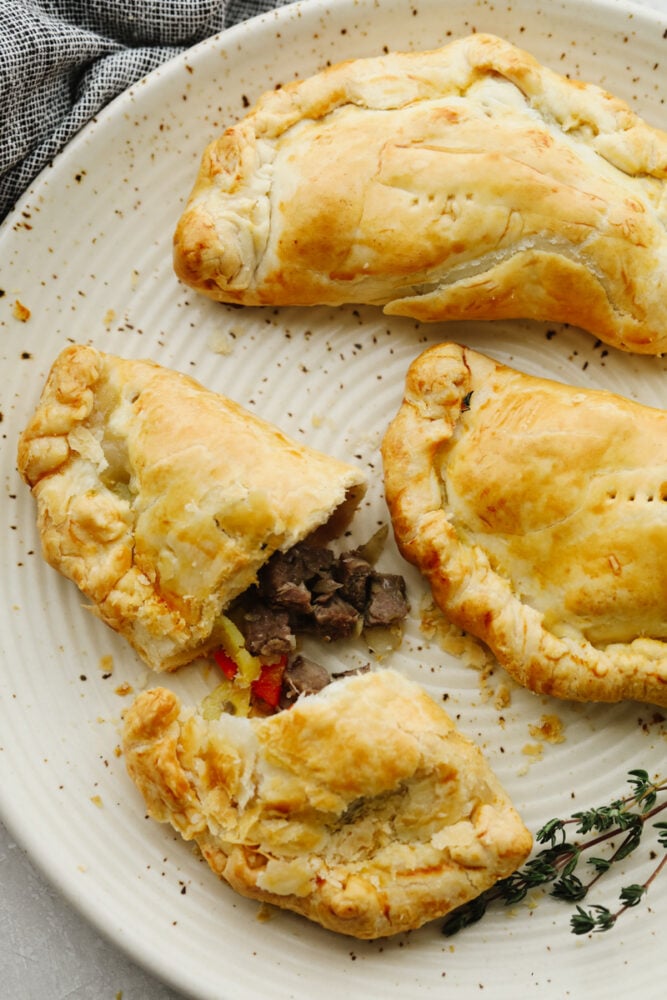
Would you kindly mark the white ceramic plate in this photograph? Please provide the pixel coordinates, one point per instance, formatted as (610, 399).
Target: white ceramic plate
(88, 252)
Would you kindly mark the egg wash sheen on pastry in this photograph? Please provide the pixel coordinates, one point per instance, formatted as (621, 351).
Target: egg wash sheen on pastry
(468, 182)
(538, 514)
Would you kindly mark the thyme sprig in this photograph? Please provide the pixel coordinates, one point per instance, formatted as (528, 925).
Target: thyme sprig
(620, 825)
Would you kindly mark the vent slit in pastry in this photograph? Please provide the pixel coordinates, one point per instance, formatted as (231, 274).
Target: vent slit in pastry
(361, 807)
(468, 182)
(529, 506)
(162, 500)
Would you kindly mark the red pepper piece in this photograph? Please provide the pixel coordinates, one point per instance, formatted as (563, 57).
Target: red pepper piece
(226, 664)
(268, 685)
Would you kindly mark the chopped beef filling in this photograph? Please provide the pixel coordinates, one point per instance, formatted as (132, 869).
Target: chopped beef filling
(355, 574)
(386, 602)
(311, 590)
(267, 631)
(334, 618)
(288, 579)
(350, 673)
(302, 676)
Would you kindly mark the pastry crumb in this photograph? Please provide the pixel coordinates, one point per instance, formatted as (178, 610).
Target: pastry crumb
(550, 729)
(220, 342)
(124, 689)
(264, 913)
(106, 664)
(109, 318)
(534, 750)
(503, 698)
(97, 801)
(452, 639)
(468, 649)
(20, 312)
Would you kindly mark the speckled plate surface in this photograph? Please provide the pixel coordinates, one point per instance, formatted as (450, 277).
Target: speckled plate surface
(87, 254)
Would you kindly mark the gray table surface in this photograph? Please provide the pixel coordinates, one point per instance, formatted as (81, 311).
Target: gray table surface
(47, 950)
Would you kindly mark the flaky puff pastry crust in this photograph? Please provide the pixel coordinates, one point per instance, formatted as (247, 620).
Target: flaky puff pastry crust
(538, 514)
(469, 182)
(361, 807)
(161, 499)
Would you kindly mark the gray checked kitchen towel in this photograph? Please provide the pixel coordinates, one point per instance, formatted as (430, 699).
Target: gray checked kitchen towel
(63, 60)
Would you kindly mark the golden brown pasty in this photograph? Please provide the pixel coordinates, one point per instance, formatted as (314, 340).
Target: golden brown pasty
(538, 514)
(361, 807)
(468, 182)
(161, 499)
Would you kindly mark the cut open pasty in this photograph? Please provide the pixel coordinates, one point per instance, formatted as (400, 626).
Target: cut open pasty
(468, 182)
(538, 514)
(161, 499)
(361, 807)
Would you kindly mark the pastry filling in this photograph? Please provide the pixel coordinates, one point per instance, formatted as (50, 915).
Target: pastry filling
(308, 590)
